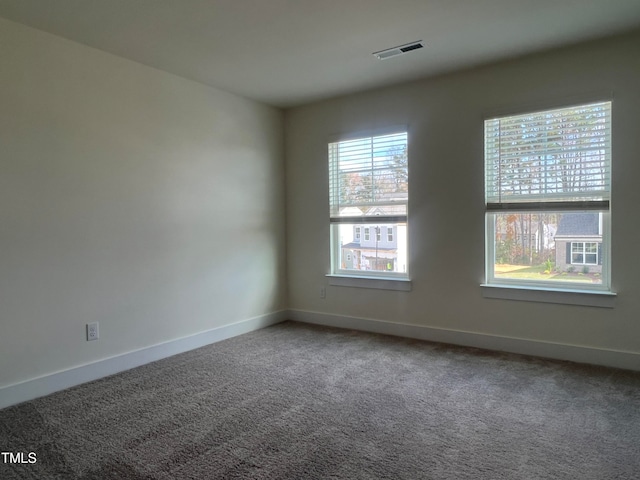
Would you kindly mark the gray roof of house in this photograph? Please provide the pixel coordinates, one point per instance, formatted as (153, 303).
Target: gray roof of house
(583, 223)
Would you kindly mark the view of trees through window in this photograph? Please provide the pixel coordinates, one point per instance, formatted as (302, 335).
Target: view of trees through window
(554, 246)
(378, 182)
(368, 192)
(547, 181)
(525, 238)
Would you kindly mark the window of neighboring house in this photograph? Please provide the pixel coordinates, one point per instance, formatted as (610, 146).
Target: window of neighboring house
(368, 187)
(547, 179)
(584, 253)
(390, 234)
(357, 234)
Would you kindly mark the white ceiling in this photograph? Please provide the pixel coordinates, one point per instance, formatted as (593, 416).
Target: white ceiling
(290, 52)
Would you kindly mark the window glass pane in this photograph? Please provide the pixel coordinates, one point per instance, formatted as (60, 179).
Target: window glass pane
(554, 155)
(544, 247)
(369, 176)
(370, 254)
(541, 168)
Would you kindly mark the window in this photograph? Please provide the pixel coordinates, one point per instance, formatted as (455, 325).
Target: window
(368, 188)
(390, 234)
(547, 189)
(584, 253)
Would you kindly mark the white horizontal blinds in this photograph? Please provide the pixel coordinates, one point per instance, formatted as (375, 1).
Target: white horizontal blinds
(559, 158)
(368, 177)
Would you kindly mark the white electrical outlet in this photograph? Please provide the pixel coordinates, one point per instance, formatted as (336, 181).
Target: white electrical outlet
(323, 292)
(92, 331)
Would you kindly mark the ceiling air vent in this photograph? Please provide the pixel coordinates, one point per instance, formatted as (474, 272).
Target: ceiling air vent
(392, 52)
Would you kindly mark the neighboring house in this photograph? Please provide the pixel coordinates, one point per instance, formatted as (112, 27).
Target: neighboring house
(374, 247)
(579, 242)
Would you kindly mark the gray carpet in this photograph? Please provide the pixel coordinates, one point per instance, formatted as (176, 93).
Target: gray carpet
(295, 401)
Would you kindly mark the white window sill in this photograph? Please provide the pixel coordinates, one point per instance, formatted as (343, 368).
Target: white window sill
(589, 298)
(398, 284)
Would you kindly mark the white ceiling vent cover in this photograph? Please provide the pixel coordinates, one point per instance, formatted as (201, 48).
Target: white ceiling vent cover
(392, 52)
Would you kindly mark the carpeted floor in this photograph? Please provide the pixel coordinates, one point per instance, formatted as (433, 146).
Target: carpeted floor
(296, 401)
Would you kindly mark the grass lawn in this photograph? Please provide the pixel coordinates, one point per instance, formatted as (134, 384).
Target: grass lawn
(525, 272)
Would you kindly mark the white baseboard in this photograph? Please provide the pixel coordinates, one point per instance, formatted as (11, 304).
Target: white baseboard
(38, 387)
(558, 351)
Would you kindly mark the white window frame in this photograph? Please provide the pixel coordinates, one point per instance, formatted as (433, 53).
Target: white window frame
(372, 278)
(357, 234)
(541, 205)
(584, 253)
(390, 234)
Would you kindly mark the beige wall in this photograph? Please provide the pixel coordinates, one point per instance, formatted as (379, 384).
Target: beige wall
(154, 204)
(446, 216)
(128, 196)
